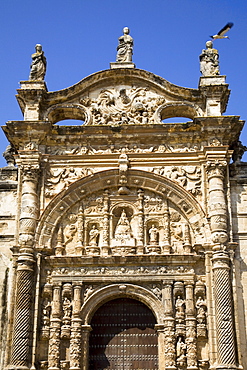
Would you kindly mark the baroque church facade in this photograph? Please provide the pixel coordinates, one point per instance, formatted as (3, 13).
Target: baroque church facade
(123, 240)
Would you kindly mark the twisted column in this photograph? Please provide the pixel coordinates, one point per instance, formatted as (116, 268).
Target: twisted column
(169, 330)
(226, 347)
(75, 338)
(22, 328)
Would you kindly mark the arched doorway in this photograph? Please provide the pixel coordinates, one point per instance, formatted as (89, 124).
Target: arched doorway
(123, 337)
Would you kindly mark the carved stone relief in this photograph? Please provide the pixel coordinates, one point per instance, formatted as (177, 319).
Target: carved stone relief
(59, 179)
(144, 226)
(125, 106)
(188, 177)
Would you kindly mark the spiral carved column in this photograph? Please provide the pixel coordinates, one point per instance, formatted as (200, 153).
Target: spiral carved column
(22, 328)
(226, 347)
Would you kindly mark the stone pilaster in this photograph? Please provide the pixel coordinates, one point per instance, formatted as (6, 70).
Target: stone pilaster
(166, 240)
(75, 339)
(106, 227)
(85, 346)
(55, 328)
(79, 246)
(140, 240)
(191, 349)
(22, 328)
(226, 347)
(169, 331)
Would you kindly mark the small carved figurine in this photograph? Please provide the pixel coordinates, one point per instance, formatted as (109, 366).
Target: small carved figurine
(125, 47)
(153, 235)
(38, 66)
(93, 234)
(180, 305)
(209, 61)
(8, 155)
(66, 307)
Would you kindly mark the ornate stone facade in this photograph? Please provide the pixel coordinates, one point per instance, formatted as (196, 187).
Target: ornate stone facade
(124, 206)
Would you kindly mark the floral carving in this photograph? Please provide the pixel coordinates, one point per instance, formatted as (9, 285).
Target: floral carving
(124, 106)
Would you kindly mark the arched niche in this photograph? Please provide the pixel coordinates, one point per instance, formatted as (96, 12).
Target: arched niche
(60, 112)
(178, 109)
(157, 191)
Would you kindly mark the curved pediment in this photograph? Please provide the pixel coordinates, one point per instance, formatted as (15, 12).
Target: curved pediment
(119, 96)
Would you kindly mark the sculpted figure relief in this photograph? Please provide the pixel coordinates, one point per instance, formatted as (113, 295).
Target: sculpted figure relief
(67, 307)
(209, 61)
(153, 235)
(93, 235)
(38, 66)
(125, 47)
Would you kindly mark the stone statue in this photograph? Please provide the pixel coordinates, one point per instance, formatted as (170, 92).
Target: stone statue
(125, 47)
(209, 61)
(180, 306)
(38, 66)
(181, 352)
(123, 229)
(153, 234)
(201, 310)
(93, 234)
(8, 155)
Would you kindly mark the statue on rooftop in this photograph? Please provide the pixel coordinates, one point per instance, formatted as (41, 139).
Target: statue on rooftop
(125, 47)
(209, 61)
(8, 155)
(38, 66)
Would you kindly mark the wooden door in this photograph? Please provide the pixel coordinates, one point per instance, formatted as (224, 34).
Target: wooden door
(123, 337)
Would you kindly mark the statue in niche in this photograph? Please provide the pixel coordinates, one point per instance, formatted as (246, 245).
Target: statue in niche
(153, 235)
(180, 306)
(93, 235)
(46, 310)
(123, 229)
(209, 61)
(181, 352)
(125, 47)
(38, 66)
(66, 307)
(201, 310)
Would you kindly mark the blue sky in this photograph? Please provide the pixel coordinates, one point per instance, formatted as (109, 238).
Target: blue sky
(79, 37)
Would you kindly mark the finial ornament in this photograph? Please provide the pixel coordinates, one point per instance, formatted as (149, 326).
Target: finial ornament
(38, 66)
(209, 61)
(125, 47)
